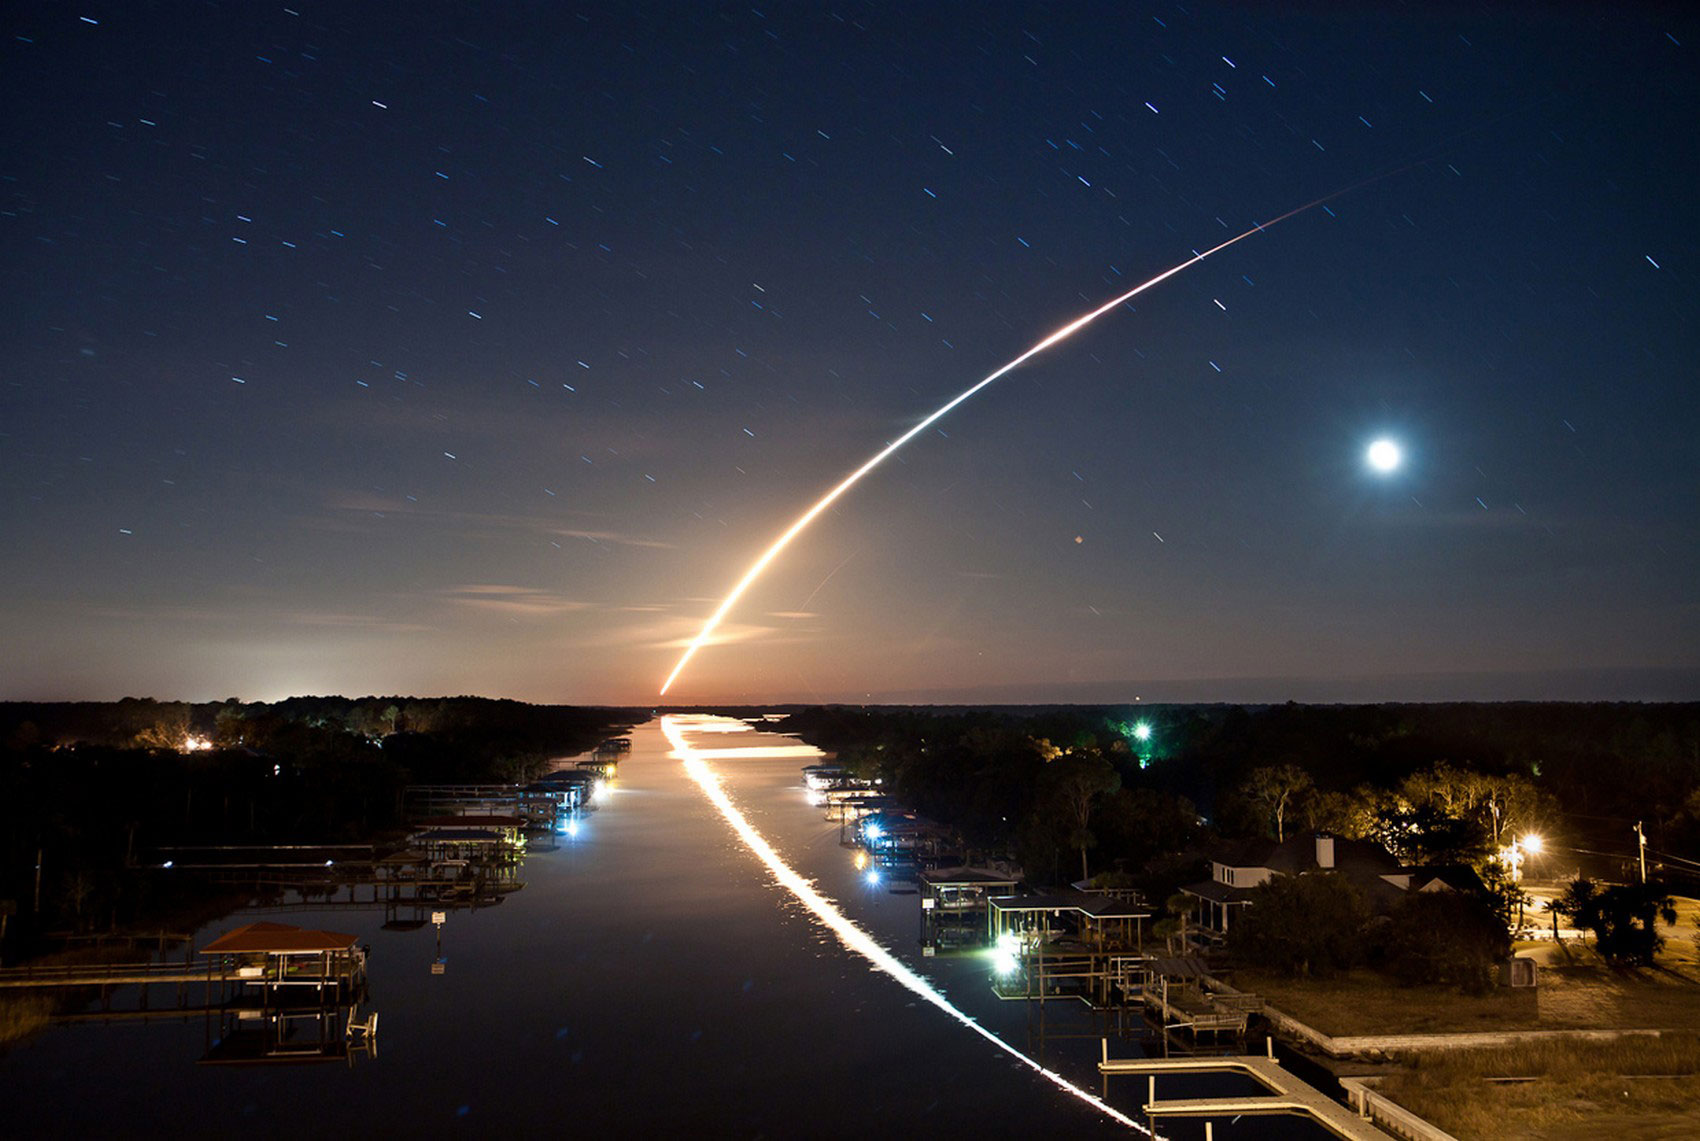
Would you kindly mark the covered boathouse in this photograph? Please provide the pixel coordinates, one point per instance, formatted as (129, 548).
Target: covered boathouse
(275, 955)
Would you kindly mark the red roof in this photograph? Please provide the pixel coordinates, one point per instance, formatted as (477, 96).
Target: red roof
(276, 939)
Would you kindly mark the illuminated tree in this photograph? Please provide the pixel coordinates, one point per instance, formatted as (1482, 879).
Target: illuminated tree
(1275, 789)
(1501, 806)
(168, 731)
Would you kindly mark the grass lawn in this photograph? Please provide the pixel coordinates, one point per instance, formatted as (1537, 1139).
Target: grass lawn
(1643, 1088)
(1577, 991)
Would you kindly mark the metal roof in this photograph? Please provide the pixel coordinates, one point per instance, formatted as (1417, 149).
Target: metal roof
(278, 939)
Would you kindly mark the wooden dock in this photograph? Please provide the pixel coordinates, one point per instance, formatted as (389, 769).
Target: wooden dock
(260, 957)
(1287, 1094)
(114, 974)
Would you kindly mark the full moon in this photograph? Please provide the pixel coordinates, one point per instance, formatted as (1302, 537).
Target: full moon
(1384, 455)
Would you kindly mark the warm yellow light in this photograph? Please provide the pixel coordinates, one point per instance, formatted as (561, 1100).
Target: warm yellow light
(1533, 844)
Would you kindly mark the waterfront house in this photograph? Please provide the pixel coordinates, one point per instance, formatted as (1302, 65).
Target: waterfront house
(1238, 868)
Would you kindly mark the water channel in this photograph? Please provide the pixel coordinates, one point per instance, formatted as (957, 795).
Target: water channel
(651, 977)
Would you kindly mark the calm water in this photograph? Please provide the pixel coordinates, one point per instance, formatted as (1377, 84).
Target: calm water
(650, 977)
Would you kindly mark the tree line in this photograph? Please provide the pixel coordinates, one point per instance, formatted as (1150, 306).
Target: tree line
(90, 791)
(1140, 796)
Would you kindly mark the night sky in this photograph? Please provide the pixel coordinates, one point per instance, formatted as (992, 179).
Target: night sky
(441, 349)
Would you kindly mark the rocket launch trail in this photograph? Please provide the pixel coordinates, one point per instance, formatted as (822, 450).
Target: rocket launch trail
(855, 477)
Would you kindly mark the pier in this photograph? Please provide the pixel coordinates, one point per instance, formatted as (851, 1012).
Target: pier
(1285, 1094)
(263, 956)
(1068, 944)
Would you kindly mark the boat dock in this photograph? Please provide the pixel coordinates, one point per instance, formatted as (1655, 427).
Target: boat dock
(1286, 1094)
(262, 957)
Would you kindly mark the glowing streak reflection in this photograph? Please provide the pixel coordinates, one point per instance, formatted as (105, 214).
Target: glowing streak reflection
(852, 936)
(855, 477)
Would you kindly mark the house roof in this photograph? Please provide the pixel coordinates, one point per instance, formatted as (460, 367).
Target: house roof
(1458, 877)
(1217, 892)
(277, 939)
(1298, 854)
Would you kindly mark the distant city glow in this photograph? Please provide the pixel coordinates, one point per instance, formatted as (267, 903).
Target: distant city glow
(1385, 455)
(853, 937)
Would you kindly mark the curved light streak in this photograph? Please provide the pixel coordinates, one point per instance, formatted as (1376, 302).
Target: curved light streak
(852, 936)
(855, 477)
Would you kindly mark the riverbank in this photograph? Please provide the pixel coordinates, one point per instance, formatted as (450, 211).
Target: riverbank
(1641, 1087)
(1635, 1074)
(650, 980)
(1577, 991)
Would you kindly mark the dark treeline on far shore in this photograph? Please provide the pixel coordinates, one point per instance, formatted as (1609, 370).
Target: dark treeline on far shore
(91, 791)
(1149, 790)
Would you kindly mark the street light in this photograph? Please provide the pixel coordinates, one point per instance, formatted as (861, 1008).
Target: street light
(1512, 857)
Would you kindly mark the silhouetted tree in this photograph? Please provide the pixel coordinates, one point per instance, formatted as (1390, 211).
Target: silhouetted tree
(1070, 787)
(1446, 937)
(1302, 925)
(1623, 918)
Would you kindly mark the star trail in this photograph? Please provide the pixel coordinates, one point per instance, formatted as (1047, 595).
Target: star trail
(449, 349)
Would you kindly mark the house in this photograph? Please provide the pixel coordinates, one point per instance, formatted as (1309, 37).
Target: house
(1383, 880)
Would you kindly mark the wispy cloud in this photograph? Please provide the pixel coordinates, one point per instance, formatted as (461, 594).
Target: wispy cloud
(526, 600)
(357, 504)
(245, 615)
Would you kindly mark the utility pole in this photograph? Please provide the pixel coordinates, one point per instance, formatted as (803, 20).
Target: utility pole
(1641, 837)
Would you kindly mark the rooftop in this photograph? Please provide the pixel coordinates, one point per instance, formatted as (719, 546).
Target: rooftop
(277, 939)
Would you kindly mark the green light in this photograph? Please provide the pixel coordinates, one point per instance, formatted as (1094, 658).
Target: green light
(1142, 731)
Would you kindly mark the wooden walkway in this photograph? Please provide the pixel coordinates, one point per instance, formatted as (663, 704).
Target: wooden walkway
(1287, 1094)
(116, 974)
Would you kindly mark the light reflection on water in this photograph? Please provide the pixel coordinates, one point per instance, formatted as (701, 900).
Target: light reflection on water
(649, 977)
(853, 937)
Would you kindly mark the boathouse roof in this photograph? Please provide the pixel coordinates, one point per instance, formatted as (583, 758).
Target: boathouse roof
(1092, 904)
(458, 836)
(984, 876)
(277, 939)
(486, 820)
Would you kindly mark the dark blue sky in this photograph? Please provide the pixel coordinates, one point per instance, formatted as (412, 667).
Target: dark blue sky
(442, 349)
